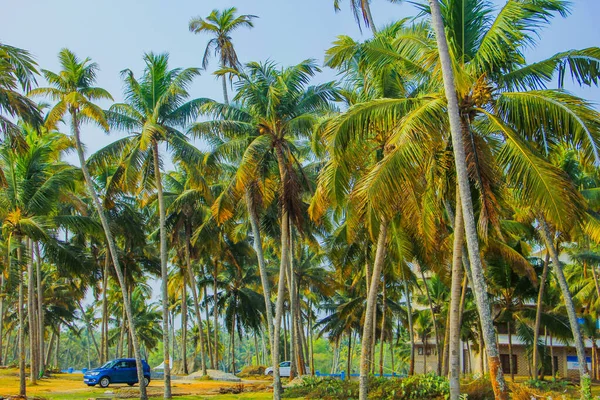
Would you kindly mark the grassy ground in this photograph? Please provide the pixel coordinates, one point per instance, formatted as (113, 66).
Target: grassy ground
(71, 386)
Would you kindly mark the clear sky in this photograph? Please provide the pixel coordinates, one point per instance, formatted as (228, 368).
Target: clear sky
(115, 34)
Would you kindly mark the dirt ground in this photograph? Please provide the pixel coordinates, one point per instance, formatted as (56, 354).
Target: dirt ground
(71, 386)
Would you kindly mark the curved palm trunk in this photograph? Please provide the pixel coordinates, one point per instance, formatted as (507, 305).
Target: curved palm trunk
(113, 250)
(479, 285)
(455, 302)
(164, 273)
(367, 337)
(538, 319)
(584, 375)
(192, 282)
(262, 268)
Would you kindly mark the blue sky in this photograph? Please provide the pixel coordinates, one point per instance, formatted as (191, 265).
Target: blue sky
(115, 34)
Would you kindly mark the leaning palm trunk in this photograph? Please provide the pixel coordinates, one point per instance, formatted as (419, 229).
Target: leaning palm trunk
(479, 285)
(264, 276)
(113, 251)
(584, 375)
(164, 273)
(455, 301)
(538, 318)
(367, 337)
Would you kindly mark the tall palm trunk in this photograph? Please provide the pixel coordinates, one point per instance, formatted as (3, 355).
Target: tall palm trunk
(262, 268)
(455, 301)
(209, 345)
(164, 273)
(184, 325)
(510, 352)
(310, 338)
(215, 316)
(479, 284)
(367, 337)
(31, 314)
(584, 375)
(538, 318)
(233, 342)
(111, 245)
(224, 82)
(279, 305)
(21, 341)
(192, 281)
(40, 311)
(382, 333)
(349, 360)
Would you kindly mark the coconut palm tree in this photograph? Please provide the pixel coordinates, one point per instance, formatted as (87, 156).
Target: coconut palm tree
(221, 24)
(272, 109)
(74, 93)
(155, 106)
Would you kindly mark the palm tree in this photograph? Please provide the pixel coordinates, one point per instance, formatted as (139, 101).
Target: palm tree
(276, 106)
(74, 93)
(17, 70)
(361, 9)
(221, 24)
(155, 106)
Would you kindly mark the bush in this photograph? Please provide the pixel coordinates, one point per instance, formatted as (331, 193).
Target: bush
(252, 370)
(547, 386)
(323, 388)
(415, 387)
(478, 389)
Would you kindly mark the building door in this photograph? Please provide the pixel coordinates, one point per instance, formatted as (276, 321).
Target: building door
(504, 360)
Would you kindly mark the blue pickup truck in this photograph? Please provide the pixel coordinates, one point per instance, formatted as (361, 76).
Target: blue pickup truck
(121, 370)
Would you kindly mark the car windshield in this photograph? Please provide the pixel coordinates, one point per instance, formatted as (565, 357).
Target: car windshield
(108, 364)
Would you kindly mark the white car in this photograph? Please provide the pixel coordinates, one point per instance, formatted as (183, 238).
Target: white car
(284, 369)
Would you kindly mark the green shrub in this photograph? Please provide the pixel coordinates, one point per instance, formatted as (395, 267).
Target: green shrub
(323, 388)
(414, 387)
(252, 370)
(478, 389)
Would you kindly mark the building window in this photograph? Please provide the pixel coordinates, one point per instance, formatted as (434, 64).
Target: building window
(504, 360)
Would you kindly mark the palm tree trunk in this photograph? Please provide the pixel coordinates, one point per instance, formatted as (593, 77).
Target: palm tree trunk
(382, 333)
(538, 318)
(552, 357)
(233, 343)
(425, 354)
(57, 354)
(279, 305)
(455, 301)
(192, 282)
(292, 312)
(184, 325)
(262, 267)
(310, 338)
(104, 347)
(111, 245)
(21, 341)
(209, 345)
(411, 334)
(215, 317)
(367, 337)
(349, 359)
(49, 348)
(40, 312)
(224, 81)
(584, 376)
(510, 353)
(164, 273)
(33, 345)
(479, 284)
